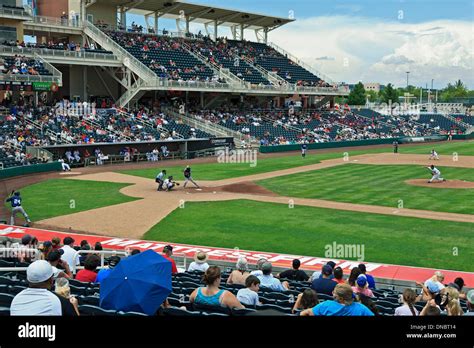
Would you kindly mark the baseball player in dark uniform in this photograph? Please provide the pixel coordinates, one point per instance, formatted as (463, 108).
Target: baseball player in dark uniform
(188, 177)
(304, 147)
(395, 146)
(15, 201)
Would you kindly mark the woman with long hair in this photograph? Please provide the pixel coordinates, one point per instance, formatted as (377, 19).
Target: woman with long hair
(355, 272)
(409, 298)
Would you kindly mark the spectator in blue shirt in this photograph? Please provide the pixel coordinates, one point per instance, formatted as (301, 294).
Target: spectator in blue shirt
(268, 281)
(104, 273)
(342, 305)
(370, 279)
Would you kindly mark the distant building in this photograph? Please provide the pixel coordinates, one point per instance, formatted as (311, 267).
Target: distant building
(372, 86)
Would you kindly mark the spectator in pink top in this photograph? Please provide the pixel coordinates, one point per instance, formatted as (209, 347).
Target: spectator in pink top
(362, 286)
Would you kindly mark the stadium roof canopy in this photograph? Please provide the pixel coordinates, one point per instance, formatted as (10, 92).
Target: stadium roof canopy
(205, 14)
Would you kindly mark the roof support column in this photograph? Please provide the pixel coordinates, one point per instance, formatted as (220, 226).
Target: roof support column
(155, 24)
(241, 32)
(265, 32)
(215, 30)
(187, 24)
(123, 17)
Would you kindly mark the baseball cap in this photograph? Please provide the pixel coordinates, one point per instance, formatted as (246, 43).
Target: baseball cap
(47, 244)
(68, 240)
(39, 271)
(113, 261)
(361, 280)
(267, 266)
(26, 239)
(470, 297)
(55, 255)
(433, 287)
(327, 270)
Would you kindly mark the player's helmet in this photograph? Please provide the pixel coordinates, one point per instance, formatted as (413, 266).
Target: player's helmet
(432, 166)
(17, 193)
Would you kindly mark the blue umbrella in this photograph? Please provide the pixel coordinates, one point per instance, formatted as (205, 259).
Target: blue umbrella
(139, 283)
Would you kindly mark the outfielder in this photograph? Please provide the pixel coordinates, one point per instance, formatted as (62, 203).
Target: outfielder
(304, 147)
(188, 177)
(436, 174)
(434, 155)
(160, 178)
(15, 201)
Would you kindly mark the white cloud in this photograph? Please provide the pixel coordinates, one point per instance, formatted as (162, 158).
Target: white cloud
(372, 50)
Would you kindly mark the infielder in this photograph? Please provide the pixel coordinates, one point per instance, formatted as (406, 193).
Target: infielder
(436, 174)
(304, 147)
(15, 201)
(188, 177)
(160, 178)
(434, 155)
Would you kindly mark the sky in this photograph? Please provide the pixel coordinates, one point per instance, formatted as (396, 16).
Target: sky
(369, 40)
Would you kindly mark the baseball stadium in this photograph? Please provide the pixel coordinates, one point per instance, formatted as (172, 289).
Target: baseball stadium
(191, 169)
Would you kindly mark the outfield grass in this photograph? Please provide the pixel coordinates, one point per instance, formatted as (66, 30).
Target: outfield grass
(58, 197)
(378, 185)
(303, 230)
(218, 171)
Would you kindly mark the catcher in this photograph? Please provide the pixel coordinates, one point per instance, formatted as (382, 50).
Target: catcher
(168, 184)
(436, 174)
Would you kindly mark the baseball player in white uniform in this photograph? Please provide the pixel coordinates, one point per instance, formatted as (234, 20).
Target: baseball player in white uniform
(436, 174)
(434, 155)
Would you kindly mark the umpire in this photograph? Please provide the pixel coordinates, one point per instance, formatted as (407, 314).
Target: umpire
(160, 179)
(395, 146)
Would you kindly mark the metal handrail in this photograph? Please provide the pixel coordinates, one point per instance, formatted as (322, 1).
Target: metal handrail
(225, 73)
(277, 80)
(300, 62)
(14, 12)
(102, 254)
(56, 53)
(63, 22)
(127, 58)
(50, 67)
(28, 251)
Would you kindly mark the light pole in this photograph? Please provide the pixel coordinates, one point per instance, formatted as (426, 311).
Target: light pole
(407, 79)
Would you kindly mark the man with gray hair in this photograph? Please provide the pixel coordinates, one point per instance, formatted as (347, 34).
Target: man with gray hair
(258, 271)
(268, 281)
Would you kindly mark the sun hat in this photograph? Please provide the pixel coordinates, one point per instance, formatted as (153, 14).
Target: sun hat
(200, 257)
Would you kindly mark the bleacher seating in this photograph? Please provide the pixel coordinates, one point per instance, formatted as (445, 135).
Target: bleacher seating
(30, 66)
(87, 294)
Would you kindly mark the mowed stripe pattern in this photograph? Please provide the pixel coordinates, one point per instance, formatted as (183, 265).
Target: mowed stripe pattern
(378, 185)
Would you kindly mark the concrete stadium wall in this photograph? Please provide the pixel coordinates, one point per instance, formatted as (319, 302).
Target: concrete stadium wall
(103, 12)
(13, 23)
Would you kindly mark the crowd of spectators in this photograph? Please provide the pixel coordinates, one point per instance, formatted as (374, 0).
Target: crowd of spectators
(20, 65)
(58, 45)
(325, 293)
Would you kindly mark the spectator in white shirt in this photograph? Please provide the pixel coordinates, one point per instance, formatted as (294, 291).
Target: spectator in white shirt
(200, 262)
(37, 299)
(69, 253)
(249, 295)
(409, 299)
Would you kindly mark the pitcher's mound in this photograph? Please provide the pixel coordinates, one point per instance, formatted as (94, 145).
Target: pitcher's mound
(452, 184)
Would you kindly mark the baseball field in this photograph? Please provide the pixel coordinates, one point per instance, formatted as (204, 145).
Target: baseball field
(284, 204)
